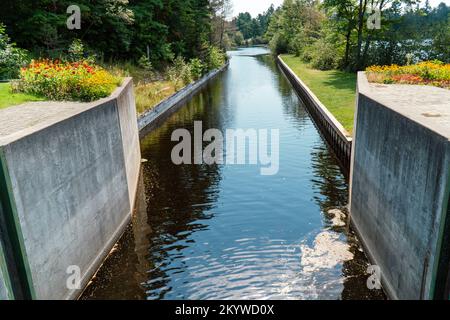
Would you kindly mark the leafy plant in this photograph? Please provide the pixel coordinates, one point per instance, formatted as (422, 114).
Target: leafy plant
(180, 72)
(216, 58)
(197, 68)
(146, 65)
(323, 55)
(11, 57)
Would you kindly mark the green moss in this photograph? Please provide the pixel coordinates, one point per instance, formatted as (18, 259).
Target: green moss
(8, 99)
(335, 89)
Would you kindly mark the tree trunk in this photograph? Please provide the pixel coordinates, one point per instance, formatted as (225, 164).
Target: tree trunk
(366, 49)
(347, 45)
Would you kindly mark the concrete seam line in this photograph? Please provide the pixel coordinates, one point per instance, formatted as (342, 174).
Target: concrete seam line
(438, 268)
(387, 288)
(119, 126)
(5, 272)
(97, 264)
(14, 229)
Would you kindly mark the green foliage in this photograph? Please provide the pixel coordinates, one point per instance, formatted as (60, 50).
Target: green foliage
(335, 34)
(294, 26)
(145, 63)
(322, 55)
(278, 44)
(11, 57)
(251, 28)
(114, 29)
(238, 39)
(216, 58)
(76, 50)
(441, 42)
(197, 67)
(180, 72)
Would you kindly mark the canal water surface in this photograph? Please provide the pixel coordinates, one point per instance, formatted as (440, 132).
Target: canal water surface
(226, 231)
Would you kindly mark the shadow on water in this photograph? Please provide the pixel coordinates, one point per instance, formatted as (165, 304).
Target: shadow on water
(226, 232)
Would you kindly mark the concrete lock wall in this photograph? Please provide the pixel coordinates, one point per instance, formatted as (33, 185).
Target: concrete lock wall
(72, 177)
(5, 286)
(400, 185)
(332, 130)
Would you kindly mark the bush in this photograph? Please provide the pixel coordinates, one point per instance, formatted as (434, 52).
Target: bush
(78, 52)
(75, 81)
(323, 55)
(147, 67)
(197, 68)
(180, 73)
(11, 57)
(278, 44)
(216, 58)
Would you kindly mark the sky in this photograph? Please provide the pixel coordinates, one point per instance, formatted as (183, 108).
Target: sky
(253, 6)
(259, 6)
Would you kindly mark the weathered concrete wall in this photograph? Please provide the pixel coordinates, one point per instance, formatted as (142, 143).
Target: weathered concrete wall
(73, 179)
(5, 290)
(334, 133)
(400, 185)
(130, 140)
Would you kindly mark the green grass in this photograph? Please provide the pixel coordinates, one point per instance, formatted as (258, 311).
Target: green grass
(335, 89)
(8, 99)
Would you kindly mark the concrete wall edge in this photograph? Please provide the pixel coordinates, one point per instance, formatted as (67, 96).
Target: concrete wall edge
(334, 133)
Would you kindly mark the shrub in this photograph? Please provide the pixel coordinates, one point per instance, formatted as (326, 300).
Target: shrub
(11, 57)
(78, 52)
(428, 72)
(197, 68)
(75, 81)
(147, 67)
(278, 44)
(216, 58)
(180, 72)
(322, 55)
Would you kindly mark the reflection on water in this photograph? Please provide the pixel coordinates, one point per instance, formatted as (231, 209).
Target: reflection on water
(226, 232)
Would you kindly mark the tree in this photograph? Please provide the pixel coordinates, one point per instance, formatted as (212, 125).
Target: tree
(222, 10)
(344, 17)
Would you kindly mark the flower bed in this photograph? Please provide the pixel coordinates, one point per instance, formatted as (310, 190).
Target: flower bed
(433, 73)
(74, 81)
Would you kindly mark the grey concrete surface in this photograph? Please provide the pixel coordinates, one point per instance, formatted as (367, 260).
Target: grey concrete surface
(130, 138)
(400, 182)
(70, 171)
(5, 294)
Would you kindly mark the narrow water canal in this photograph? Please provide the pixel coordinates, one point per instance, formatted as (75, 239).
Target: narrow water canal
(227, 232)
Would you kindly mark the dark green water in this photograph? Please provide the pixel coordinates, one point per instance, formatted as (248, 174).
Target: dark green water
(225, 231)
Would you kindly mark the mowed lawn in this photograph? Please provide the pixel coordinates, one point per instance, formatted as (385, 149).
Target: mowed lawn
(335, 89)
(8, 99)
